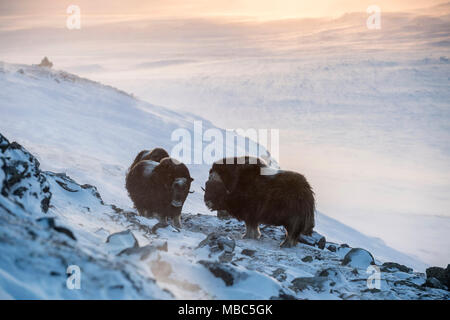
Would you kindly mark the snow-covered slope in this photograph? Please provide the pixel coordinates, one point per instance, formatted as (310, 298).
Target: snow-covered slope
(91, 132)
(49, 224)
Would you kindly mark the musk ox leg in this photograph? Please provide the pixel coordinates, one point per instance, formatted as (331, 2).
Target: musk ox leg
(177, 221)
(289, 241)
(293, 232)
(252, 232)
(162, 223)
(162, 219)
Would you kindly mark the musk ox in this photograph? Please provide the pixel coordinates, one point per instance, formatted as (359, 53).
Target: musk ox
(283, 198)
(159, 188)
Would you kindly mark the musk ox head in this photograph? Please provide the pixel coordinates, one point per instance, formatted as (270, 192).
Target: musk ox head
(224, 177)
(177, 180)
(215, 192)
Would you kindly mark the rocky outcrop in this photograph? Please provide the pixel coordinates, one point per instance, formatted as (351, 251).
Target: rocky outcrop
(438, 277)
(21, 180)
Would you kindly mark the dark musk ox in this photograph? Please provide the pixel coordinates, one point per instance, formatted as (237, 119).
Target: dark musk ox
(159, 188)
(283, 198)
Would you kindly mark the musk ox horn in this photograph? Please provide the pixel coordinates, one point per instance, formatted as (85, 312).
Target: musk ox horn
(203, 189)
(191, 191)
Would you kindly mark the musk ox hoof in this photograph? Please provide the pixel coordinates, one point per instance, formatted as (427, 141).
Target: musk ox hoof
(158, 226)
(288, 243)
(177, 222)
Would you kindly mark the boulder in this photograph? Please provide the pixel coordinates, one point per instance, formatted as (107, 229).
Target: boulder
(219, 270)
(358, 258)
(279, 274)
(435, 283)
(441, 274)
(392, 266)
(314, 240)
(302, 283)
(248, 252)
(120, 241)
(21, 179)
(332, 248)
(333, 274)
(218, 242)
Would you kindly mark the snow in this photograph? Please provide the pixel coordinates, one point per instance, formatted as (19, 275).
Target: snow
(79, 127)
(363, 114)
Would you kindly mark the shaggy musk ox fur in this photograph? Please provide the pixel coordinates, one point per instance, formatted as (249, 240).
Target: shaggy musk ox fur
(159, 187)
(156, 155)
(284, 198)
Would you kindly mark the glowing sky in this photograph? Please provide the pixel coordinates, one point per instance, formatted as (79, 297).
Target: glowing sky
(263, 9)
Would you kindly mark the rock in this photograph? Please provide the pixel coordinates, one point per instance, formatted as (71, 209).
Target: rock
(93, 190)
(333, 274)
(226, 257)
(45, 63)
(392, 266)
(248, 252)
(279, 274)
(358, 258)
(118, 242)
(65, 231)
(302, 283)
(332, 248)
(432, 282)
(314, 240)
(344, 245)
(218, 242)
(21, 180)
(4, 143)
(441, 274)
(342, 251)
(307, 259)
(408, 284)
(220, 271)
(226, 243)
(373, 290)
(143, 252)
(283, 296)
(49, 223)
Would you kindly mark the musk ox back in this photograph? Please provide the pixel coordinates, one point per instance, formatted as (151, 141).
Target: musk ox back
(284, 198)
(155, 155)
(159, 188)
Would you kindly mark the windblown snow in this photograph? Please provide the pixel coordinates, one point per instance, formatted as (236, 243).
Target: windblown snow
(63, 203)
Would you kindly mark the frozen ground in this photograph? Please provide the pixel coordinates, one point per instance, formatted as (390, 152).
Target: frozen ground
(49, 222)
